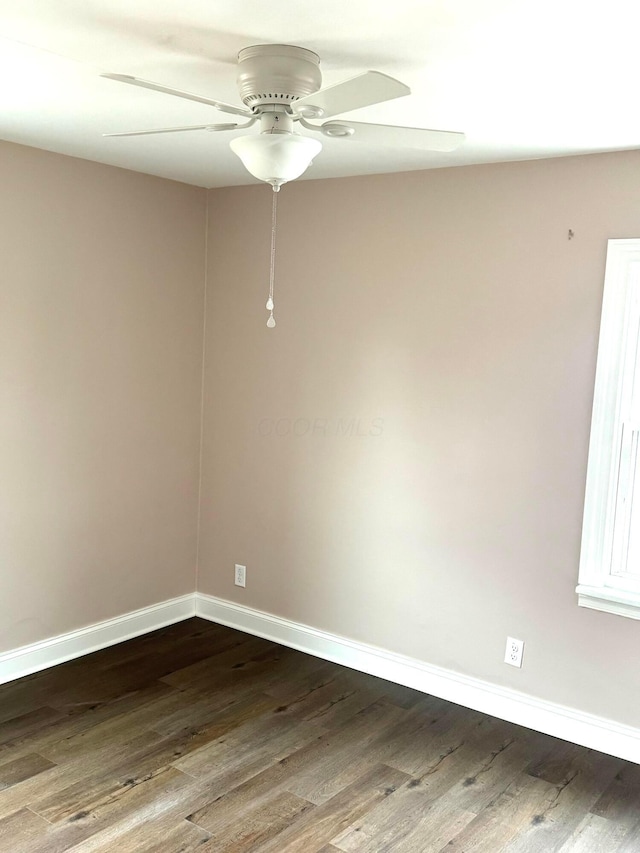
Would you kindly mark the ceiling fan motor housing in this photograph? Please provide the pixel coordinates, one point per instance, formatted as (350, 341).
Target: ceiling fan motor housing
(277, 74)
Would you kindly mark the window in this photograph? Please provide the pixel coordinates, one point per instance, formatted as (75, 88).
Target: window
(610, 555)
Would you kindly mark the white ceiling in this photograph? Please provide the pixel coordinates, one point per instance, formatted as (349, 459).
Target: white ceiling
(522, 78)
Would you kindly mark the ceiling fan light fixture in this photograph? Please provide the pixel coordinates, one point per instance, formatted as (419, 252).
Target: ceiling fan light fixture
(276, 157)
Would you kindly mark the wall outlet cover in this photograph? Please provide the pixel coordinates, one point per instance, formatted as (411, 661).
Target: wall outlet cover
(240, 575)
(514, 651)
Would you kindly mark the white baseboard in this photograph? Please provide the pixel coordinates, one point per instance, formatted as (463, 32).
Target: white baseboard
(37, 656)
(557, 720)
(516, 707)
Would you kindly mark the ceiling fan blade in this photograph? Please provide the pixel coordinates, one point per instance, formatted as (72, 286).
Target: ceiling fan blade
(210, 127)
(393, 136)
(372, 87)
(156, 87)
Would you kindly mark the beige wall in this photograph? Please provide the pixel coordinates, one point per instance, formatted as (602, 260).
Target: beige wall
(401, 461)
(101, 295)
(451, 306)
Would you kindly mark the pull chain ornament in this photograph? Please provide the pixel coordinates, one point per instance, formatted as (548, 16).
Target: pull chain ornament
(272, 269)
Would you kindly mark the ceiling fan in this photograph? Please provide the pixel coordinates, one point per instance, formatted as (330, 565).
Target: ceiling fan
(280, 85)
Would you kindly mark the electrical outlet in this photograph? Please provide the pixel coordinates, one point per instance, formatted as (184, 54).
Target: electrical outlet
(514, 652)
(241, 575)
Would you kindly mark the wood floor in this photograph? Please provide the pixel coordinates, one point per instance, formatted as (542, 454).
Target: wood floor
(200, 738)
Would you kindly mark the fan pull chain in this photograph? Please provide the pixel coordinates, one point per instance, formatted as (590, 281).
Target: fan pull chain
(272, 269)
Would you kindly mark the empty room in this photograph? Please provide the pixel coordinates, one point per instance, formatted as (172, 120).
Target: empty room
(319, 330)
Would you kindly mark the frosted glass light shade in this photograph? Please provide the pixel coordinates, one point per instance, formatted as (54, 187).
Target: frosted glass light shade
(276, 157)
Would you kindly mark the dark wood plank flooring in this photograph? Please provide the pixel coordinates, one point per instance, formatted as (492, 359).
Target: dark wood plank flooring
(198, 737)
